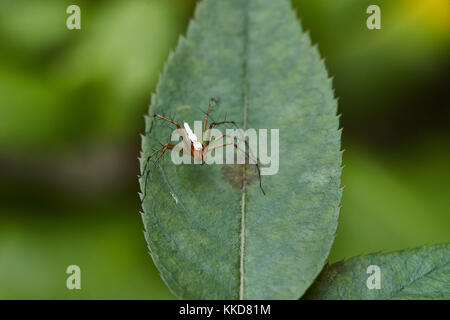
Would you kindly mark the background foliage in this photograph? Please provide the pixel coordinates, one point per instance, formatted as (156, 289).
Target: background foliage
(71, 103)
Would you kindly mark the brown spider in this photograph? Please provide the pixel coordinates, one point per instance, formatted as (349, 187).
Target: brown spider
(196, 149)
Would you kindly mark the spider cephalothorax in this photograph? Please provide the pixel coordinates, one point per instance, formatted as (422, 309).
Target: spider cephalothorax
(198, 149)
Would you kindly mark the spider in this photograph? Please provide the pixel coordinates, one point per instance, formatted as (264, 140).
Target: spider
(195, 148)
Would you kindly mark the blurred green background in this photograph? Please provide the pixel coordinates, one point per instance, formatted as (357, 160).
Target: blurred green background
(71, 106)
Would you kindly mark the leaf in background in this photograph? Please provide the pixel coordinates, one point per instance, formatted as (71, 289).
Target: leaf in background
(394, 202)
(253, 56)
(422, 273)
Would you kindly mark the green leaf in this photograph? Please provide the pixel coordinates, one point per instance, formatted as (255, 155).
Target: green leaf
(210, 235)
(422, 273)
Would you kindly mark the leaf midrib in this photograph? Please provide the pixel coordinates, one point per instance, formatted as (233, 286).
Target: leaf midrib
(244, 175)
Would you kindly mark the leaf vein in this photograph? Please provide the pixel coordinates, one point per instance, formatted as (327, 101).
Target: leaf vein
(244, 175)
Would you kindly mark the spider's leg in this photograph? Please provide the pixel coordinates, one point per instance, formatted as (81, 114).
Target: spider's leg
(164, 148)
(209, 116)
(173, 116)
(213, 124)
(221, 137)
(158, 116)
(205, 118)
(259, 176)
(182, 150)
(148, 159)
(187, 143)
